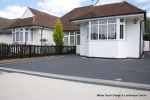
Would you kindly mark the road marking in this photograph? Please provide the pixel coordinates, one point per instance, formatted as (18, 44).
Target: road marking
(30, 60)
(82, 79)
(118, 79)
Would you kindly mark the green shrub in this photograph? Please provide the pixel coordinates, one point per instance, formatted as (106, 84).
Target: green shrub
(58, 33)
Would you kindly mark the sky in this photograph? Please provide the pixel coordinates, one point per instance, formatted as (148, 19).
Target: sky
(15, 8)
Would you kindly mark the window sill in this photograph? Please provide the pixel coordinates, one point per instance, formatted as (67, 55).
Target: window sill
(106, 40)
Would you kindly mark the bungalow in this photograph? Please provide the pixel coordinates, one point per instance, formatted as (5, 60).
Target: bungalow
(5, 35)
(113, 30)
(36, 28)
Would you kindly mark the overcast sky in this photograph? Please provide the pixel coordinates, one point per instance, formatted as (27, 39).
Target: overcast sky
(15, 8)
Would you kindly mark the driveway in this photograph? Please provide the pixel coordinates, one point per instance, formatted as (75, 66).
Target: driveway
(126, 70)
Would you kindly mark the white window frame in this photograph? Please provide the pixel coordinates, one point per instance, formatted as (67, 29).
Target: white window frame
(97, 26)
(74, 43)
(69, 35)
(77, 39)
(117, 28)
(22, 30)
(124, 30)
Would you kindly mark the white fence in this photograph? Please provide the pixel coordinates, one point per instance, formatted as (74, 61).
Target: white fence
(146, 45)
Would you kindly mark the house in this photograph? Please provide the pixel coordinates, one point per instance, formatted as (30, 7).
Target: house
(5, 35)
(34, 27)
(113, 30)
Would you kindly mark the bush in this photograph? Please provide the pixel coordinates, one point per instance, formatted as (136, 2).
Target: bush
(58, 33)
(146, 37)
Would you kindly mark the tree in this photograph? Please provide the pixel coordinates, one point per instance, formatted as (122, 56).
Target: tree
(58, 33)
(148, 25)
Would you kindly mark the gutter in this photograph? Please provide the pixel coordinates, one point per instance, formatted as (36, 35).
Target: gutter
(42, 35)
(141, 34)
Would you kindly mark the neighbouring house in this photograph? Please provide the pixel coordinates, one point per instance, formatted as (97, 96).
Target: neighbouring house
(35, 28)
(36, 25)
(113, 30)
(5, 35)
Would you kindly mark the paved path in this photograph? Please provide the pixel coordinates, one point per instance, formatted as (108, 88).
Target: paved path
(27, 87)
(125, 70)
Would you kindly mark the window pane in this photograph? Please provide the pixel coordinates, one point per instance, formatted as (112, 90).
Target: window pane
(112, 31)
(13, 30)
(26, 36)
(72, 40)
(21, 36)
(112, 20)
(26, 29)
(66, 41)
(31, 36)
(121, 31)
(87, 32)
(103, 29)
(102, 21)
(78, 39)
(121, 20)
(94, 30)
(71, 33)
(112, 28)
(17, 36)
(66, 33)
(13, 36)
(21, 29)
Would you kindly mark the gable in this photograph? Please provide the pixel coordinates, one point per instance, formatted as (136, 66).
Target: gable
(27, 13)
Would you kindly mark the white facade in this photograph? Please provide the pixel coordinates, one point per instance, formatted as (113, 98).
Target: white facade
(5, 38)
(114, 46)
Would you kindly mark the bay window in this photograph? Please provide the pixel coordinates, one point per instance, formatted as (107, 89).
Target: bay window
(106, 29)
(22, 35)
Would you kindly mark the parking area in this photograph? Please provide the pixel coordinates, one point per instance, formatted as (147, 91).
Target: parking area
(125, 70)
